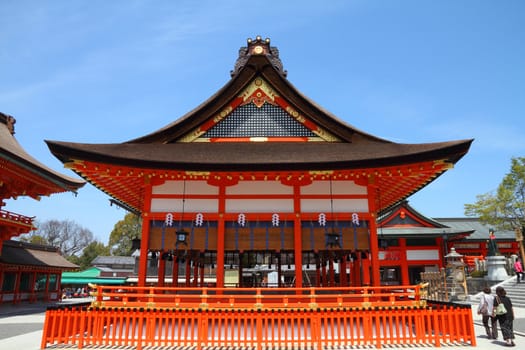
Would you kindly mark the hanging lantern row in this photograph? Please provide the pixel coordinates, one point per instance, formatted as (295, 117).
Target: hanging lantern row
(275, 219)
(355, 219)
(169, 219)
(322, 219)
(199, 219)
(241, 219)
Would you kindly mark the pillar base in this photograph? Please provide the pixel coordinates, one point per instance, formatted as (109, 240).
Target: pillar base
(496, 268)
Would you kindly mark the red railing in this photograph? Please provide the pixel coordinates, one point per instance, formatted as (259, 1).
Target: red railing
(320, 319)
(256, 298)
(16, 218)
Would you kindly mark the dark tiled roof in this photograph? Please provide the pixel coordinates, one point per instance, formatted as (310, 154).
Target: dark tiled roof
(113, 260)
(480, 231)
(21, 253)
(240, 156)
(420, 232)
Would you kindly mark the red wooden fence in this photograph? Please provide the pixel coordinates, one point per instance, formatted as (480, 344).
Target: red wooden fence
(261, 326)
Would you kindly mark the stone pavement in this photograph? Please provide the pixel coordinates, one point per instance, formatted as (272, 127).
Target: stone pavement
(21, 329)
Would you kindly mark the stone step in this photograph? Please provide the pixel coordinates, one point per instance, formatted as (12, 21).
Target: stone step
(515, 291)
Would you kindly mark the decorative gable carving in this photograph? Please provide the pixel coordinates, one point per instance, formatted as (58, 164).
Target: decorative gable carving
(259, 113)
(251, 121)
(259, 92)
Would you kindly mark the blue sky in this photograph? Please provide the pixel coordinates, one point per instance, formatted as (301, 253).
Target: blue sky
(409, 71)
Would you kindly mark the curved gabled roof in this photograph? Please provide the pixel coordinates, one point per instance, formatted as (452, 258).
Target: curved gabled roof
(301, 137)
(257, 66)
(46, 180)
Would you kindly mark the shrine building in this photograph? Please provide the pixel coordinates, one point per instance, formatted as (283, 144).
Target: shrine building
(28, 272)
(260, 186)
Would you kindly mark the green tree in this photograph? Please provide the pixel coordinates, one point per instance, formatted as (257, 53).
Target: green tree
(123, 233)
(504, 208)
(89, 253)
(34, 238)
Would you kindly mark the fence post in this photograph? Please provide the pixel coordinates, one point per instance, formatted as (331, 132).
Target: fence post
(45, 329)
(82, 329)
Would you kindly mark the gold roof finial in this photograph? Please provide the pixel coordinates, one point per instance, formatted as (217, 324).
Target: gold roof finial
(258, 46)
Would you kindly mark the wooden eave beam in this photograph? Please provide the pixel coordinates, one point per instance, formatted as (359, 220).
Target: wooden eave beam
(128, 184)
(21, 182)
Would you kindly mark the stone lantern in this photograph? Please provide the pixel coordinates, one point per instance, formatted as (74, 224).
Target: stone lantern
(456, 279)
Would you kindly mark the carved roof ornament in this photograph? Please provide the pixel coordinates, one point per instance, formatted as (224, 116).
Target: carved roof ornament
(9, 121)
(258, 47)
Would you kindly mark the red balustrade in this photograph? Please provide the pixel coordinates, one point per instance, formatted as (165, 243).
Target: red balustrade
(258, 318)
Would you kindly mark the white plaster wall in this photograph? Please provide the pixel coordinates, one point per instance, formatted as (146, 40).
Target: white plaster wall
(338, 187)
(190, 205)
(259, 206)
(259, 187)
(422, 254)
(192, 187)
(339, 205)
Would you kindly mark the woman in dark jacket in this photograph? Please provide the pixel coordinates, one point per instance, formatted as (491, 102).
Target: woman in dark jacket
(505, 320)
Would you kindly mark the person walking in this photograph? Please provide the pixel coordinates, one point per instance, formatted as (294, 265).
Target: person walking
(505, 315)
(486, 310)
(518, 268)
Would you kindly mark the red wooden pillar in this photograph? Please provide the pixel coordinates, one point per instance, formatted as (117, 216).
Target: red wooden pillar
(297, 233)
(220, 251)
(175, 271)
(219, 273)
(241, 259)
(144, 241)
(195, 273)
(331, 272)
(162, 269)
(201, 271)
(279, 269)
(342, 271)
(374, 245)
(324, 277)
(356, 271)
(32, 286)
(188, 271)
(405, 279)
(366, 264)
(318, 281)
(298, 252)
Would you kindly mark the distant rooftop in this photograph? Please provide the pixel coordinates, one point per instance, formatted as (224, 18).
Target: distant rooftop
(481, 231)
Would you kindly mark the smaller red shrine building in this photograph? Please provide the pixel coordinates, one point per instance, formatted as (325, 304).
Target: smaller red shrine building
(27, 271)
(411, 243)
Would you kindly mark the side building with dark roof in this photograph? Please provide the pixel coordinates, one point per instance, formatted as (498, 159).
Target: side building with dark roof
(27, 272)
(31, 272)
(477, 242)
